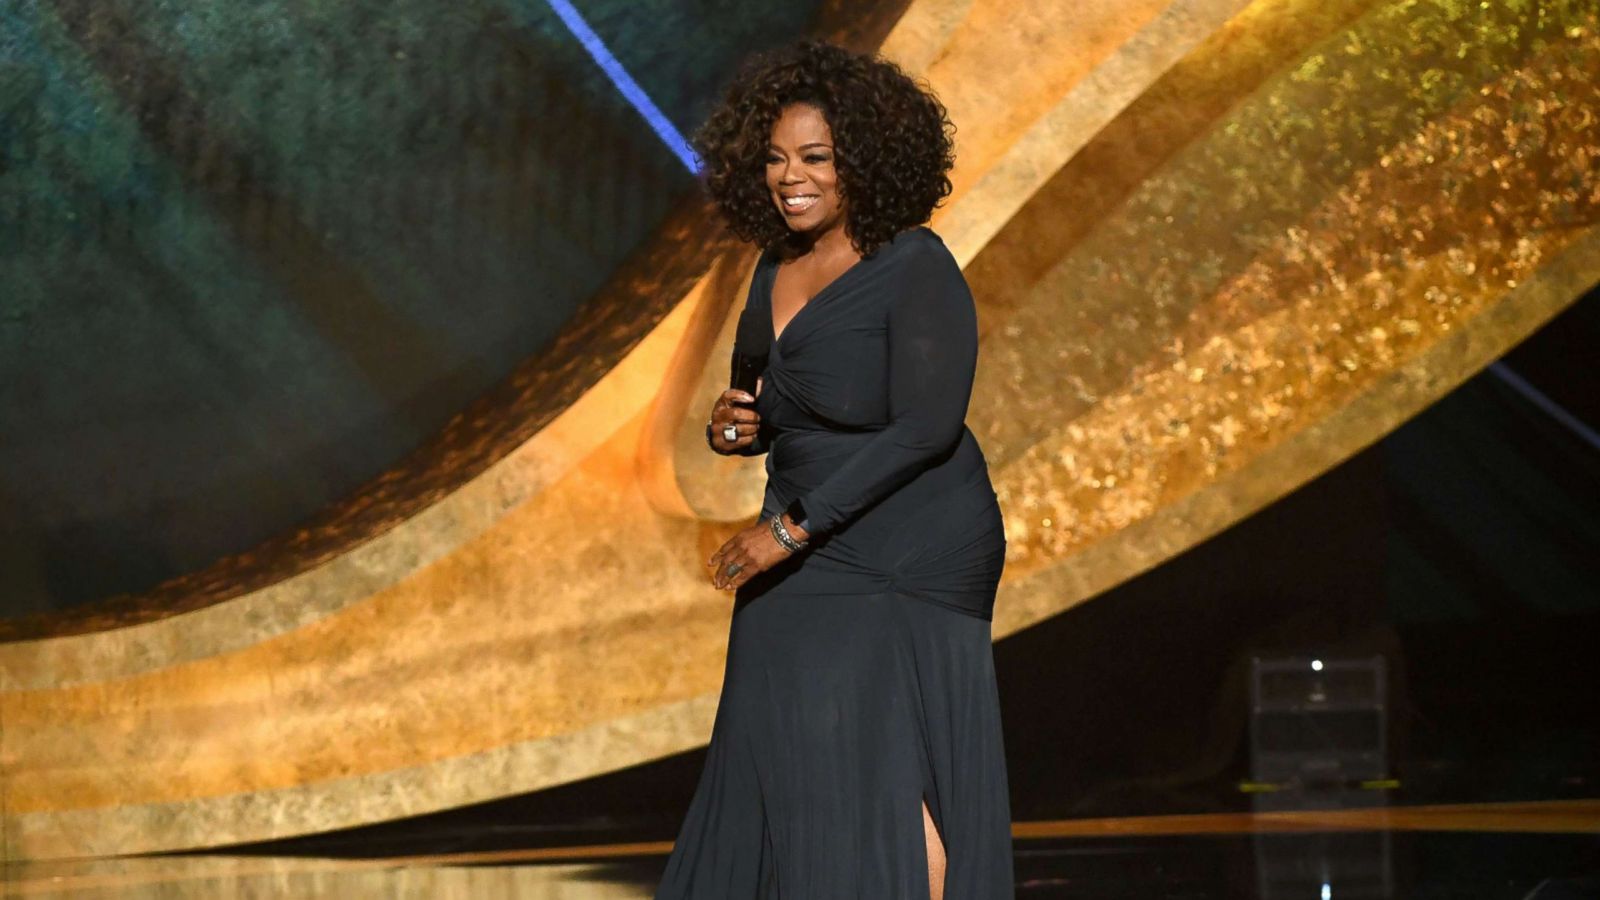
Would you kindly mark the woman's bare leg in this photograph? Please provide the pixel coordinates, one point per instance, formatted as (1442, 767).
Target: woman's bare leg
(936, 858)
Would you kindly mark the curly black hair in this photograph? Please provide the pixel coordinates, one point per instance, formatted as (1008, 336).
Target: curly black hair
(893, 141)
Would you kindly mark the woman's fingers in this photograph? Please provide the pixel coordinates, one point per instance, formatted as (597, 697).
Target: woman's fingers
(746, 434)
(736, 414)
(731, 553)
(717, 557)
(745, 574)
(733, 581)
(726, 409)
(744, 549)
(746, 423)
(725, 556)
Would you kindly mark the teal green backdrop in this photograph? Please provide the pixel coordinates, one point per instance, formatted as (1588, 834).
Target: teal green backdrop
(254, 253)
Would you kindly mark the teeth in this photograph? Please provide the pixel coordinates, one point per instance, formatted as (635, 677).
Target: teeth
(796, 202)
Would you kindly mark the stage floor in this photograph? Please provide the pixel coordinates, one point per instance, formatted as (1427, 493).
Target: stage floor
(1490, 851)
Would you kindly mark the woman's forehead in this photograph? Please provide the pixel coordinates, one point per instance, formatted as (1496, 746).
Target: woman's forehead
(800, 123)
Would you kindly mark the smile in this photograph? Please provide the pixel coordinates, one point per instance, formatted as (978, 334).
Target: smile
(800, 203)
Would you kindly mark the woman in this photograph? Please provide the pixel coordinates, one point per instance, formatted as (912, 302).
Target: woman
(857, 750)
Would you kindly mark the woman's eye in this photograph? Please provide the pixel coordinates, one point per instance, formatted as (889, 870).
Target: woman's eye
(816, 159)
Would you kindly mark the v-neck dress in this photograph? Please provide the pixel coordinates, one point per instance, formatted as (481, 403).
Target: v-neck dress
(859, 680)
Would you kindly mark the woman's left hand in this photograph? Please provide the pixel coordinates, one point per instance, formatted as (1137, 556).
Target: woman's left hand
(754, 548)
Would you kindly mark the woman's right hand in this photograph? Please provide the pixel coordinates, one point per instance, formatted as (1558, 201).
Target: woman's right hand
(745, 420)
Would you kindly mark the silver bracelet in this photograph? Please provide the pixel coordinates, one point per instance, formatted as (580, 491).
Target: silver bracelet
(783, 536)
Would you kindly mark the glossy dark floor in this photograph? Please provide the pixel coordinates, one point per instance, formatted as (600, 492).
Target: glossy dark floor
(1355, 864)
(1234, 862)
(1417, 866)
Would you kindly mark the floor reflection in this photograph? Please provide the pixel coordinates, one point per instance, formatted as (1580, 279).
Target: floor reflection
(179, 878)
(1528, 851)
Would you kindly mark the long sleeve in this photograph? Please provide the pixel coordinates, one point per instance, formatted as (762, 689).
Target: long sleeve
(933, 353)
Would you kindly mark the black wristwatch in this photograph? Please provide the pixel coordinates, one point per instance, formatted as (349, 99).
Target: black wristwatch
(709, 442)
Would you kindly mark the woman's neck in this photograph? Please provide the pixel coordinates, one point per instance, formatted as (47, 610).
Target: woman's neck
(833, 243)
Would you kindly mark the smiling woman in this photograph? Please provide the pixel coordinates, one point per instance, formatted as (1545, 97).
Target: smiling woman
(857, 749)
(888, 138)
(800, 169)
(805, 183)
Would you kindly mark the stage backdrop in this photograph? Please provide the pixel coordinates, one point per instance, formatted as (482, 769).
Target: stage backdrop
(355, 359)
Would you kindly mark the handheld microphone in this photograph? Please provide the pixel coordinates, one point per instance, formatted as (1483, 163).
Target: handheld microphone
(750, 345)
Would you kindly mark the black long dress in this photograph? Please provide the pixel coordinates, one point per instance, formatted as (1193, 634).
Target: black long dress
(860, 675)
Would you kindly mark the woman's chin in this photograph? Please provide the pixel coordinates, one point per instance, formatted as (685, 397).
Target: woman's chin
(803, 224)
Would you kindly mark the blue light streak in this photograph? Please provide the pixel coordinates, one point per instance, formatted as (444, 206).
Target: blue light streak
(629, 88)
(1550, 408)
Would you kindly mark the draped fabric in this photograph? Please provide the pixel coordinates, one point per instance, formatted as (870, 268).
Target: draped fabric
(863, 409)
(860, 677)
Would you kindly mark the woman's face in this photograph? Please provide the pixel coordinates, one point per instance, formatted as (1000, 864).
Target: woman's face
(800, 175)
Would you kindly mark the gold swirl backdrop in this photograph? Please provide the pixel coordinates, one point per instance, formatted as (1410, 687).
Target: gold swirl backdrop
(1218, 246)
